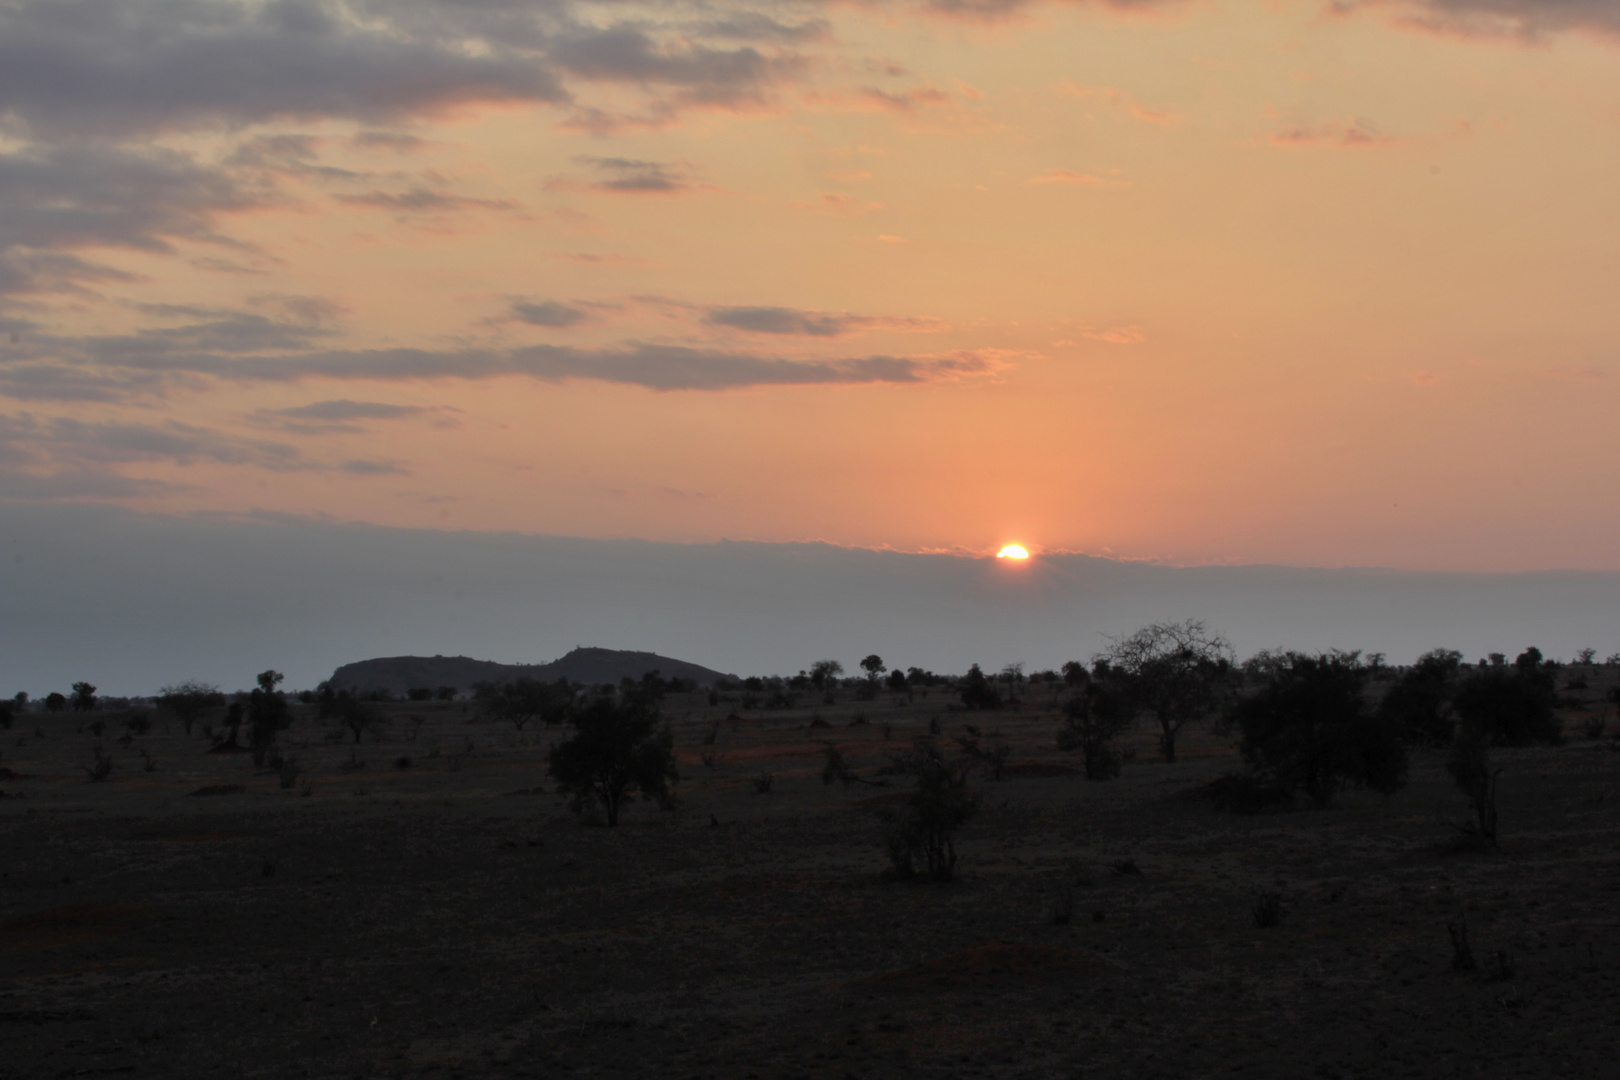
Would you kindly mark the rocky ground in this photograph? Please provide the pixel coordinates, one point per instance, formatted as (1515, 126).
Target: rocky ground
(452, 918)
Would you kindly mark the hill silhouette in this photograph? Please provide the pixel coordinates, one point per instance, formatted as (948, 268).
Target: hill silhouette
(397, 674)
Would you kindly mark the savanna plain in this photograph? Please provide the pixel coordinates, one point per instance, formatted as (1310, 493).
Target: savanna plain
(421, 902)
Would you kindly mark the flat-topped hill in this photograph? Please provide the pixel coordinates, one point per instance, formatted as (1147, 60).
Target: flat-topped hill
(397, 674)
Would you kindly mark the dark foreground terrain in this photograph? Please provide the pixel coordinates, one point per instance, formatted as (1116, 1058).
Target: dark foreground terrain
(453, 919)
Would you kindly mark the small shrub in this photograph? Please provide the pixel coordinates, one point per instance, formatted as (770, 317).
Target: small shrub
(1462, 954)
(151, 765)
(939, 806)
(1470, 766)
(1246, 793)
(101, 768)
(286, 769)
(763, 783)
(1267, 910)
(98, 728)
(1062, 912)
(709, 757)
(138, 724)
(1125, 868)
(712, 734)
(402, 763)
(1594, 726)
(835, 768)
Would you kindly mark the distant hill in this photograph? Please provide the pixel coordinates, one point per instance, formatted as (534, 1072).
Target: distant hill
(397, 674)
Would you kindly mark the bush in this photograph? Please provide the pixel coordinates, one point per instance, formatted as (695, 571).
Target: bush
(618, 747)
(1309, 730)
(1511, 706)
(1246, 793)
(101, 768)
(55, 702)
(1418, 705)
(935, 811)
(977, 691)
(1092, 719)
(287, 770)
(1470, 766)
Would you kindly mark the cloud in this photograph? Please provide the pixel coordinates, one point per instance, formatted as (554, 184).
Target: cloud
(1528, 20)
(1067, 176)
(1122, 100)
(423, 201)
(58, 442)
(1117, 335)
(630, 176)
(781, 320)
(1352, 134)
(547, 313)
(121, 67)
(57, 199)
(373, 468)
(329, 417)
(656, 366)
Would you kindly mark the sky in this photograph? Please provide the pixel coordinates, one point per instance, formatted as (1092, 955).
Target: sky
(133, 602)
(1297, 283)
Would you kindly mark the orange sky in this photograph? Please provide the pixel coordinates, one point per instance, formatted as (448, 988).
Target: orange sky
(1204, 282)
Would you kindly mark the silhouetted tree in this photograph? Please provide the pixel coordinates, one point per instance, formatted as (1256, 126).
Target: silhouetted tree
(84, 697)
(896, 681)
(977, 691)
(348, 709)
(55, 702)
(874, 667)
(825, 673)
(267, 714)
(1308, 729)
(618, 747)
(1511, 706)
(522, 700)
(1093, 718)
(189, 700)
(1180, 672)
(1418, 705)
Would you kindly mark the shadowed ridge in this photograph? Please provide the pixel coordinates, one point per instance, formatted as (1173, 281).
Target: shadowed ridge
(591, 666)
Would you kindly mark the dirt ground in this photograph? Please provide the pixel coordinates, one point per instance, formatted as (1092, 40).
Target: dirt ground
(453, 918)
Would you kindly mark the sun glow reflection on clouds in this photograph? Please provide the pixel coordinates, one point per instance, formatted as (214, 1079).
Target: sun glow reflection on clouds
(1016, 552)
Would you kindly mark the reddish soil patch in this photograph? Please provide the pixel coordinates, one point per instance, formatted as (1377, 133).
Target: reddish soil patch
(1033, 770)
(888, 798)
(991, 962)
(70, 925)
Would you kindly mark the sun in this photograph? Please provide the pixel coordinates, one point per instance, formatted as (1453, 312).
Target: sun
(1013, 551)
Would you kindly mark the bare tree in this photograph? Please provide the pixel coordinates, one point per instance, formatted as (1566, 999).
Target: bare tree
(1180, 672)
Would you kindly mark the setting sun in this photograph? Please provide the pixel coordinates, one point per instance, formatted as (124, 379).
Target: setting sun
(1013, 551)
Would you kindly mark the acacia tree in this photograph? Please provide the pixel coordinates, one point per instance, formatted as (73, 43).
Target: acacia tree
(823, 672)
(1180, 672)
(874, 666)
(618, 747)
(189, 700)
(523, 699)
(84, 697)
(267, 714)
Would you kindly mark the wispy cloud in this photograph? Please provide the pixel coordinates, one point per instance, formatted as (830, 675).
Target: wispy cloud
(1351, 134)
